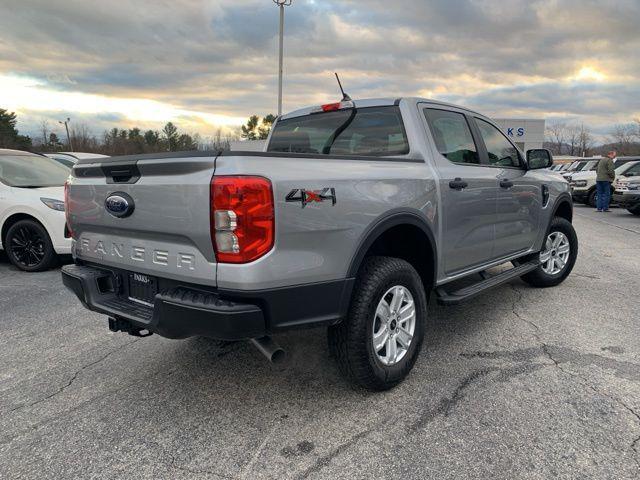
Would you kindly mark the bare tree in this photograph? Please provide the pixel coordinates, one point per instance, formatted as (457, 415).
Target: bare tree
(573, 135)
(83, 140)
(556, 133)
(622, 137)
(585, 140)
(44, 128)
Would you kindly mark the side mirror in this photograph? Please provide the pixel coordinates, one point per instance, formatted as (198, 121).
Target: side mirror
(539, 158)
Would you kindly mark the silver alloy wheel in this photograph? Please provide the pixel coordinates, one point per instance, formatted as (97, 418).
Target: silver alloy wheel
(555, 255)
(394, 325)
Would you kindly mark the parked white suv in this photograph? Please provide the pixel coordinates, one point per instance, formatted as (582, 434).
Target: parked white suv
(627, 190)
(32, 221)
(583, 184)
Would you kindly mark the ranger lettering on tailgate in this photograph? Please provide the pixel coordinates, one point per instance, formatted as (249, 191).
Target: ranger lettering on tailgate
(136, 253)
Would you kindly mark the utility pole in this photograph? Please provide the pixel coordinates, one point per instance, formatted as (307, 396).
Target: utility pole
(66, 126)
(281, 4)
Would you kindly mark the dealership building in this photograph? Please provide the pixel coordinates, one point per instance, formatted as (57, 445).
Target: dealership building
(525, 133)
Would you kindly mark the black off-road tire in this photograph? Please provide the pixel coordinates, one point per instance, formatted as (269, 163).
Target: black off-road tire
(538, 277)
(635, 210)
(592, 198)
(46, 254)
(350, 342)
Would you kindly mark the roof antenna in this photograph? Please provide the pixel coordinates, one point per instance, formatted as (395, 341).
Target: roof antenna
(345, 97)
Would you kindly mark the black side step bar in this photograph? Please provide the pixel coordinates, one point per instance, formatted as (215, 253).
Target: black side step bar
(487, 282)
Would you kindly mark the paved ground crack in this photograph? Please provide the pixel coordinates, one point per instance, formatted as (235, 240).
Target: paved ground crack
(73, 377)
(581, 380)
(326, 459)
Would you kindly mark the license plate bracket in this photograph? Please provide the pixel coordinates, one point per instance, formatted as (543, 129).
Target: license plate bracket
(142, 288)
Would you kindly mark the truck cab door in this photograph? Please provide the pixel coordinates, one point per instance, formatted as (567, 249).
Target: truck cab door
(468, 190)
(519, 199)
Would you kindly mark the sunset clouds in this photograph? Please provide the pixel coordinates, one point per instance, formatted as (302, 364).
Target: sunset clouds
(205, 64)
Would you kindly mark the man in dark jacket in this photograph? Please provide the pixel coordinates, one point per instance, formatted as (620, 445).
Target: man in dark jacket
(605, 175)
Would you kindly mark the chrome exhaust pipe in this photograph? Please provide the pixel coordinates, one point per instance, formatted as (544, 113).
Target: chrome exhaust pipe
(270, 349)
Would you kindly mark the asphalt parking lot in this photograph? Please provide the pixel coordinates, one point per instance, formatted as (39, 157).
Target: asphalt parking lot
(520, 383)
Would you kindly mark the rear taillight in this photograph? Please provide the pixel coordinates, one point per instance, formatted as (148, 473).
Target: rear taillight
(68, 232)
(242, 218)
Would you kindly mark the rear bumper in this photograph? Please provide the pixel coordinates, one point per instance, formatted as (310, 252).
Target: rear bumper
(627, 200)
(182, 311)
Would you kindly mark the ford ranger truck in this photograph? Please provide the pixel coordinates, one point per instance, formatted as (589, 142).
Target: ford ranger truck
(353, 216)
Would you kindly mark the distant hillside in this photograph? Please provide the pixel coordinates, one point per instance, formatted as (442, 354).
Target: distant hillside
(628, 149)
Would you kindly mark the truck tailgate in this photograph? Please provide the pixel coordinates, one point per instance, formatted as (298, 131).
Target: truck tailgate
(167, 233)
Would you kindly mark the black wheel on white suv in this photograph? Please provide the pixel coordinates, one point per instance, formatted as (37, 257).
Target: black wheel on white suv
(557, 257)
(592, 198)
(29, 246)
(635, 210)
(378, 343)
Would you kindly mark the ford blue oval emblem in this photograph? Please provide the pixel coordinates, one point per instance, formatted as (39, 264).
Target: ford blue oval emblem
(119, 204)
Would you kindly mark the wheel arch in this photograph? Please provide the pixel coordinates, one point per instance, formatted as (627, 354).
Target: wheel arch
(16, 217)
(563, 208)
(413, 229)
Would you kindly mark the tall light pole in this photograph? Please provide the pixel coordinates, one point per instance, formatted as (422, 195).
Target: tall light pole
(66, 126)
(281, 4)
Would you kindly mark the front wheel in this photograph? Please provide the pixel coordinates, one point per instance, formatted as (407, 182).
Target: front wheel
(29, 247)
(558, 255)
(592, 199)
(378, 343)
(635, 210)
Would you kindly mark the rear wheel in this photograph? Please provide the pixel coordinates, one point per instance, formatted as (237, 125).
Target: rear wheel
(558, 255)
(378, 343)
(635, 210)
(29, 247)
(592, 198)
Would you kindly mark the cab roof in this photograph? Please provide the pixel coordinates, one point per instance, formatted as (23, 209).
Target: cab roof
(379, 102)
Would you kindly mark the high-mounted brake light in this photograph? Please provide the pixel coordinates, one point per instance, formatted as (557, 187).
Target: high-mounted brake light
(242, 218)
(334, 107)
(331, 107)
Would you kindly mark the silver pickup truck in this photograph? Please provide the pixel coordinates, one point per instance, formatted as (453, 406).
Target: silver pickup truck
(355, 213)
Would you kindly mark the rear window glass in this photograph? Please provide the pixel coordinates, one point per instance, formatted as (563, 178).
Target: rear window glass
(371, 131)
(32, 171)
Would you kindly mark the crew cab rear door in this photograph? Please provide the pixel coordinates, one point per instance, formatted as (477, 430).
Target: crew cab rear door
(468, 190)
(519, 198)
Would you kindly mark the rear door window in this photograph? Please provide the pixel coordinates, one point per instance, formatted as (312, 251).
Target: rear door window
(371, 131)
(452, 136)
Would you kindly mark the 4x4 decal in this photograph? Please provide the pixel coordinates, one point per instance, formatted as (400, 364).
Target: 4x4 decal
(305, 197)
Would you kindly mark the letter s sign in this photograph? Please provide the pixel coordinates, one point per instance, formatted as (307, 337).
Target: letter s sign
(520, 132)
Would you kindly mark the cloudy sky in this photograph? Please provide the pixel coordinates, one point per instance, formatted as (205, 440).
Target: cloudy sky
(210, 63)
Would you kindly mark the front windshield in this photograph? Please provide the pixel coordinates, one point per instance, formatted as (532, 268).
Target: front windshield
(630, 169)
(32, 171)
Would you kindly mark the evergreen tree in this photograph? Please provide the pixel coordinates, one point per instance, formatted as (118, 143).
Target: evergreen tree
(9, 136)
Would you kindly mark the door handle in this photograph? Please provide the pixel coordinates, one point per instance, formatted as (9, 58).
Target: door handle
(506, 183)
(458, 184)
